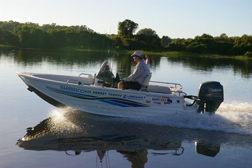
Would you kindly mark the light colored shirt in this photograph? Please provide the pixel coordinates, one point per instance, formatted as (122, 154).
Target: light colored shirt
(148, 65)
(140, 72)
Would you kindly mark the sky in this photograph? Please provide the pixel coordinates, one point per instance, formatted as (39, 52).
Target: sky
(173, 18)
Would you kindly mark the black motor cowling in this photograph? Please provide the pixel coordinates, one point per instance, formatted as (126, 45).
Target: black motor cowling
(207, 149)
(210, 96)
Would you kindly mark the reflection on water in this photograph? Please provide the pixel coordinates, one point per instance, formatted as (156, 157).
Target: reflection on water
(75, 132)
(30, 57)
(123, 62)
(244, 67)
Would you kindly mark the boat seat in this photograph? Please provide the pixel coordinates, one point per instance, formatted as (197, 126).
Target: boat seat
(159, 89)
(146, 82)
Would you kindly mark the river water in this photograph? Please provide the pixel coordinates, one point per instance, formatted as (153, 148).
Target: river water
(67, 138)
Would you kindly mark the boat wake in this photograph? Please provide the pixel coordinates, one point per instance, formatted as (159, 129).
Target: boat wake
(239, 114)
(230, 117)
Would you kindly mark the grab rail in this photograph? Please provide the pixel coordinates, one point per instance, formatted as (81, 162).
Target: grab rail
(176, 84)
(180, 92)
(89, 75)
(74, 81)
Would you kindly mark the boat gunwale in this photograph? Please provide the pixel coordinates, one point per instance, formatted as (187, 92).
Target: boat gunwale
(131, 91)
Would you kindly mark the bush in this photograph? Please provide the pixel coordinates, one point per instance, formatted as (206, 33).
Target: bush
(248, 54)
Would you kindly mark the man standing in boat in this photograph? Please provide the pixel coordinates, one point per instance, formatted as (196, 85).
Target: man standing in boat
(136, 79)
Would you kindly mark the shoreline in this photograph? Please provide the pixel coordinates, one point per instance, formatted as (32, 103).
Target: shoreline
(152, 53)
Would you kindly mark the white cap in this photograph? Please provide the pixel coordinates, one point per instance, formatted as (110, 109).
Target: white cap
(137, 53)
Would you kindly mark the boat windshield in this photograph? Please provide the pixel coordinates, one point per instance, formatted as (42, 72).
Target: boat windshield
(105, 75)
(104, 67)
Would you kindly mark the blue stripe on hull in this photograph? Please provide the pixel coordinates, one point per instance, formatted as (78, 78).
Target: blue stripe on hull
(108, 100)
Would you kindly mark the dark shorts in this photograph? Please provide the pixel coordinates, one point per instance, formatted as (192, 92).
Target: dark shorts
(131, 85)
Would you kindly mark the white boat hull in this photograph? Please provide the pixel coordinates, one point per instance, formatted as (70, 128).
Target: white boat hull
(106, 101)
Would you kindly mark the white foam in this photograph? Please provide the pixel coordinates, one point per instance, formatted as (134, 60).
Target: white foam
(230, 117)
(235, 107)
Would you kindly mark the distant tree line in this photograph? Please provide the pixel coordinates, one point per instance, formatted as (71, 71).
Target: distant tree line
(148, 39)
(31, 35)
(222, 45)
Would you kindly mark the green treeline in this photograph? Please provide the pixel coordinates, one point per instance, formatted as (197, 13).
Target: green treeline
(32, 35)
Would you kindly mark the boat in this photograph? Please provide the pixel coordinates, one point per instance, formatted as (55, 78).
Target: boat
(98, 95)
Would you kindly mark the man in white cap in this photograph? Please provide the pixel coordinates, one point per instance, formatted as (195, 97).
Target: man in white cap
(136, 79)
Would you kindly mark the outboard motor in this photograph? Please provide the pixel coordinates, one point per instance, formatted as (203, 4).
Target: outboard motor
(207, 149)
(210, 96)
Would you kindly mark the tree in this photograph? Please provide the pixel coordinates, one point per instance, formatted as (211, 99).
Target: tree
(165, 41)
(223, 35)
(8, 38)
(147, 32)
(202, 44)
(57, 38)
(126, 28)
(9, 26)
(176, 45)
(242, 45)
(30, 36)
